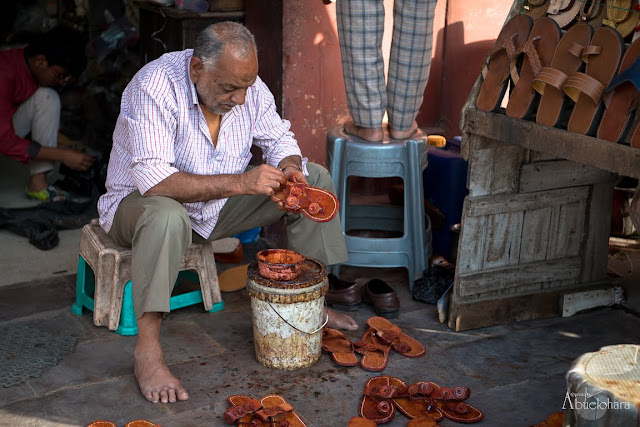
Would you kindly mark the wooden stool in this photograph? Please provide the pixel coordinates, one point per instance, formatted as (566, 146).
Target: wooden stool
(105, 287)
(602, 388)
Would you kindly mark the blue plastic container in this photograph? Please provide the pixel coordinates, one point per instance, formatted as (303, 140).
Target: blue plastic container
(445, 186)
(249, 236)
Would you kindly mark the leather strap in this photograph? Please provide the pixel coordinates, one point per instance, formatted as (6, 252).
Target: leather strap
(508, 46)
(381, 391)
(590, 50)
(555, 6)
(536, 3)
(236, 412)
(549, 76)
(268, 413)
(582, 83)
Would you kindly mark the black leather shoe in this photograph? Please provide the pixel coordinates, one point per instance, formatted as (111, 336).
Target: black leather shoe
(343, 295)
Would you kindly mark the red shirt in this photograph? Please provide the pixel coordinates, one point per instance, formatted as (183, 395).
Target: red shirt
(16, 86)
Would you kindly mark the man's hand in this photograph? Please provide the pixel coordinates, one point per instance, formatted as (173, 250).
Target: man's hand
(294, 174)
(77, 160)
(263, 179)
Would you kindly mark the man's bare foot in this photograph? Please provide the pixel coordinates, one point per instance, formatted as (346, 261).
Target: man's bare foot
(368, 134)
(156, 382)
(341, 321)
(413, 132)
(37, 182)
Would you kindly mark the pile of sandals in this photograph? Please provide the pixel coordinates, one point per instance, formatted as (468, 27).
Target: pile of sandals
(569, 67)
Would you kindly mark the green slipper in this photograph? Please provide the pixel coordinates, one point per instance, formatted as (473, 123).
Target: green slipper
(49, 194)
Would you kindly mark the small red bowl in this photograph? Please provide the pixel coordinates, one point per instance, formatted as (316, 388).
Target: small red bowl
(279, 264)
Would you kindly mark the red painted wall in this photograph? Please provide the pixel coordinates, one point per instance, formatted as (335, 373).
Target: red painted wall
(313, 96)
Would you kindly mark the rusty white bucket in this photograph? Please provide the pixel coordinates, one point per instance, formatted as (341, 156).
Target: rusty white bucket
(288, 316)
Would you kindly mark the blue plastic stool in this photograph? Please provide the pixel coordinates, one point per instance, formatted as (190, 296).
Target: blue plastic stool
(111, 304)
(351, 156)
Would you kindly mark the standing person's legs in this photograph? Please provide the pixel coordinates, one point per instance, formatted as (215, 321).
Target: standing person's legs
(409, 63)
(360, 30)
(40, 115)
(158, 231)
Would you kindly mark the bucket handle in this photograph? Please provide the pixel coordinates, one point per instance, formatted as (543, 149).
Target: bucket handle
(299, 330)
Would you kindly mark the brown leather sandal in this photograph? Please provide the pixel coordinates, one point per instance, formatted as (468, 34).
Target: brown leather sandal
(603, 57)
(535, 8)
(242, 411)
(567, 59)
(315, 203)
(101, 423)
(279, 412)
(414, 400)
(564, 11)
(496, 66)
(361, 422)
(141, 423)
(450, 401)
(375, 353)
(341, 349)
(376, 401)
(622, 97)
(388, 333)
(538, 52)
(422, 422)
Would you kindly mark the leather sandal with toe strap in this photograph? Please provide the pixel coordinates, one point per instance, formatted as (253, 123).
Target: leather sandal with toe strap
(315, 203)
(564, 11)
(242, 410)
(603, 57)
(376, 401)
(497, 64)
(390, 334)
(341, 349)
(375, 353)
(414, 400)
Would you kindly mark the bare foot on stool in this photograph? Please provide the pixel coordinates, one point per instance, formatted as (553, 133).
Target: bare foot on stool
(368, 134)
(413, 132)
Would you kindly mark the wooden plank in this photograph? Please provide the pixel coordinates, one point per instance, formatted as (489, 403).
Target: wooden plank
(587, 150)
(491, 205)
(541, 156)
(575, 302)
(535, 235)
(506, 169)
(511, 277)
(570, 231)
(559, 174)
(598, 227)
(478, 314)
(480, 170)
(471, 245)
(503, 240)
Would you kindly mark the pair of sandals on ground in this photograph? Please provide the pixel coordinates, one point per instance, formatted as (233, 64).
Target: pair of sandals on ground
(375, 345)
(548, 70)
(425, 403)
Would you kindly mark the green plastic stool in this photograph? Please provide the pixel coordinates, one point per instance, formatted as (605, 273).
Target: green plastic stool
(85, 289)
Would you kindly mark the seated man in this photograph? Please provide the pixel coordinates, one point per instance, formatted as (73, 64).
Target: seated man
(29, 104)
(178, 173)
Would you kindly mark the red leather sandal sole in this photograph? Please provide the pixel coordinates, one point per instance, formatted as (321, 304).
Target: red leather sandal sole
(370, 408)
(315, 203)
(341, 349)
(380, 324)
(414, 408)
(291, 417)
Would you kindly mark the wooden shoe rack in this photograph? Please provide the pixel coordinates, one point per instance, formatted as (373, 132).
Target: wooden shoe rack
(536, 222)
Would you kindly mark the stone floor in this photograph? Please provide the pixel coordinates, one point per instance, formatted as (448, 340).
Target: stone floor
(515, 371)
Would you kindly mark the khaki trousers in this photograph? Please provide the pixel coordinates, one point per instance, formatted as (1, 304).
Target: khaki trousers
(158, 230)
